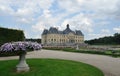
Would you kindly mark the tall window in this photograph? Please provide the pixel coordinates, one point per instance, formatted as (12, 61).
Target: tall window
(54, 40)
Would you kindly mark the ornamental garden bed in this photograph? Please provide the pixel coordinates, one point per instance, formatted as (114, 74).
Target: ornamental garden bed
(115, 53)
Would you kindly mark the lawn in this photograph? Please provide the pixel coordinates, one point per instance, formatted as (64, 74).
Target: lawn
(50, 67)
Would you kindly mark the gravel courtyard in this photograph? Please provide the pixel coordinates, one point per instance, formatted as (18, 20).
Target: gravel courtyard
(109, 65)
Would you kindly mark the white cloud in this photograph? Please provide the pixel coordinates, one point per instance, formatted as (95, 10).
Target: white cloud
(93, 36)
(39, 27)
(45, 4)
(101, 5)
(79, 22)
(26, 10)
(46, 13)
(24, 20)
(117, 29)
(44, 23)
(5, 10)
(80, 1)
(85, 15)
(68, 5)
(105, 31)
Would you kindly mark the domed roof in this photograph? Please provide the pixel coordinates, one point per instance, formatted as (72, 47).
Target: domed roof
(68, 30)
(54, 30)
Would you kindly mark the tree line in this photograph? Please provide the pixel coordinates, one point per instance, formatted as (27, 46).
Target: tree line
(33, 40)
(107, 40)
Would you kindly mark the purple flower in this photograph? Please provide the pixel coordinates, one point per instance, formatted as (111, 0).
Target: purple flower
(17, 46)
(6, 47)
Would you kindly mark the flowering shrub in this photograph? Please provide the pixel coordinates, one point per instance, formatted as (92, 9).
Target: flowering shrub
(20, 46)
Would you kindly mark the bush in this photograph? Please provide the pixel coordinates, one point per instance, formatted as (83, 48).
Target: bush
(9, 35)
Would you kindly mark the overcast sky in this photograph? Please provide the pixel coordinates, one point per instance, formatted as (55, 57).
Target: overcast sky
(95, 18)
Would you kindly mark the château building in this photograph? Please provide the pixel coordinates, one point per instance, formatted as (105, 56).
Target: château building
(53, 36)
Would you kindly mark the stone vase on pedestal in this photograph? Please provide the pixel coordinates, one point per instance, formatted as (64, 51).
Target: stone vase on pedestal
(22, 66)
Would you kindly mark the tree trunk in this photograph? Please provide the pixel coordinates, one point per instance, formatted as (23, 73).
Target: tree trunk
(22, 66)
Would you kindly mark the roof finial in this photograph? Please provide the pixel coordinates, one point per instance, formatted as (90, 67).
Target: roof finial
(67, 25)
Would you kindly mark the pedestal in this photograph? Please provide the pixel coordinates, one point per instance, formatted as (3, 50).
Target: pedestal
(22, 66)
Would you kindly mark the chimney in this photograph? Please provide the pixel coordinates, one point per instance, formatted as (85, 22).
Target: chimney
(67, 25)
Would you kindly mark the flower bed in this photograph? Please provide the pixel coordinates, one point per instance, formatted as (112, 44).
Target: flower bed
(19, 46)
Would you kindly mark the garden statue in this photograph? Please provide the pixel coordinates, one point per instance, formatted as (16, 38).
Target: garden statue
(20, 48)
(77, 47)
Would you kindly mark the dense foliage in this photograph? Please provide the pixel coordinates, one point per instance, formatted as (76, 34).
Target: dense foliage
(108, 40)
(9, 35)
(34, 40)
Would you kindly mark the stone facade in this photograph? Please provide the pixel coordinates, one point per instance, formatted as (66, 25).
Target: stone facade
(66, 37)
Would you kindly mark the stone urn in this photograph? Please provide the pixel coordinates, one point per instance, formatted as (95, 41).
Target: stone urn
(20, 48)
(22, 65)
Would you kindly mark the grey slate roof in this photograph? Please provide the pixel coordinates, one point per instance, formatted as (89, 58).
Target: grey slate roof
(54, 30)
(68, 30)
(45, 32)
(78, 32)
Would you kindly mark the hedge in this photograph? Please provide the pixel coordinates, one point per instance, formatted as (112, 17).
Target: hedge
(9, 35)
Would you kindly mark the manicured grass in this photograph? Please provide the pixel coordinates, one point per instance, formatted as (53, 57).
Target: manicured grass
(50, 67)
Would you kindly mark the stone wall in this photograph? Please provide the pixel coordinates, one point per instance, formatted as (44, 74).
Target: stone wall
(64, 39)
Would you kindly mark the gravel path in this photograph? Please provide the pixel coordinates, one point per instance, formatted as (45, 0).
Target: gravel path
(109, 65)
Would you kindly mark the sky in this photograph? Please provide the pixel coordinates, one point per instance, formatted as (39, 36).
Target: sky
(95, 18)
